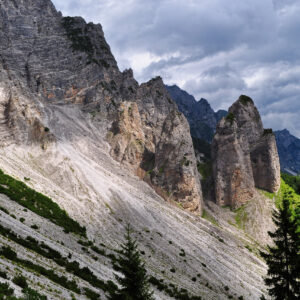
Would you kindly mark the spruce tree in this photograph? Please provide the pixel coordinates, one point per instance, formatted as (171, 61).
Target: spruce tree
(133, 280)
(283, 258)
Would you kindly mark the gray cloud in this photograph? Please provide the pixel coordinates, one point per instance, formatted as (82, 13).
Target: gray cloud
(212, 48)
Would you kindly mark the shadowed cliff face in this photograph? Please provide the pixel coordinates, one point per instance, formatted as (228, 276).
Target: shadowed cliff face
(48, 59)
(244, 155)
(289, 151)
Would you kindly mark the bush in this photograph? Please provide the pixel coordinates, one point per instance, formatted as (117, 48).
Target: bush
(3, 274)
(245, 99)
(31, 294)
(4, 210)
(20, 281)
(91, 294)
(230, 118)
(8, 253)
(5, 290)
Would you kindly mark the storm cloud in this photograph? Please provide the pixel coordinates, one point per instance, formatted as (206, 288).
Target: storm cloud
(213, 49)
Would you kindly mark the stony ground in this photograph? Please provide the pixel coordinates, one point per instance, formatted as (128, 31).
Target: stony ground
(78, 173)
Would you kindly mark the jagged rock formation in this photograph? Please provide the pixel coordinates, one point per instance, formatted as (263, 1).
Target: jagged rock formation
(201, 117)
(289, 151)
(47, 59)
(154, 142)
(244, 155)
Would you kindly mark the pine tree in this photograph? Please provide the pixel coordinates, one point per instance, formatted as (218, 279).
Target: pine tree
(283, 259)
(134, 280)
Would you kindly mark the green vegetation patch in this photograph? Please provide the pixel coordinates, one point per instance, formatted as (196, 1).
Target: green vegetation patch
(268, 131)
(245, 100)
(8, 253)
(292, 181)
(241, 216)
(172, 290)
(38, 203)
(205, 169)
(230, 118)
(44, 250)
(207, 216)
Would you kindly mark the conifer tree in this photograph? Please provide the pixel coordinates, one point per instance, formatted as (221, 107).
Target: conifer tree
(283, 259)
(134, 280)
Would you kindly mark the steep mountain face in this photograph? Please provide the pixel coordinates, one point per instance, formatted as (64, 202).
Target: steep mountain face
(289, 151)
(201, 117)
(75, 128)
(46, 58)
(244, 155)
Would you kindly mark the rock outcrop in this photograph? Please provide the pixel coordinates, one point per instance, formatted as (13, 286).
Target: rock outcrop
(47, 59)
(244, 155)
(150, 136)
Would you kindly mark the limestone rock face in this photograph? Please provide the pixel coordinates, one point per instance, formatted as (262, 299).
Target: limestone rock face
(232, 169)
(47, 59)
(244, 155)
(150, 136)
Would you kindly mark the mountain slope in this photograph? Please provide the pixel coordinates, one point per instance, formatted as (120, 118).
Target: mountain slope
(108, 151)
(289, 151)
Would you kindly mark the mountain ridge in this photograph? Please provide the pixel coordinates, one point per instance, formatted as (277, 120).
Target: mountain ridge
(287, 144)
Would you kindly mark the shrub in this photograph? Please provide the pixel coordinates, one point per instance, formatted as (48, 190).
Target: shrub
(22, 220)
(230, 118)
(31, 294)
(8, 253)
(91, 294)
(3, 274)
(268, 131)
(5, 290)
(4, 210)
(20, 281)
(34, 226)
(245, 99)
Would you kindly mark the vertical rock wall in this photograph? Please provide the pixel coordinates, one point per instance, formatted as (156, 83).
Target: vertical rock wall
(244, 155)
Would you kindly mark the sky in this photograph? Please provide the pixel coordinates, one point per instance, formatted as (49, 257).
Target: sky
(213, 49)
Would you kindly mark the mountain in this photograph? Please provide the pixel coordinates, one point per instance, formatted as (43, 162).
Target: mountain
(85, 149)
(203, 122)
(201, 117)
(289, 151)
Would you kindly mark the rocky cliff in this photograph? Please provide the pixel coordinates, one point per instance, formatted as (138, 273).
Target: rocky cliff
(244, 155)
(201, 117)
(48, 59)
